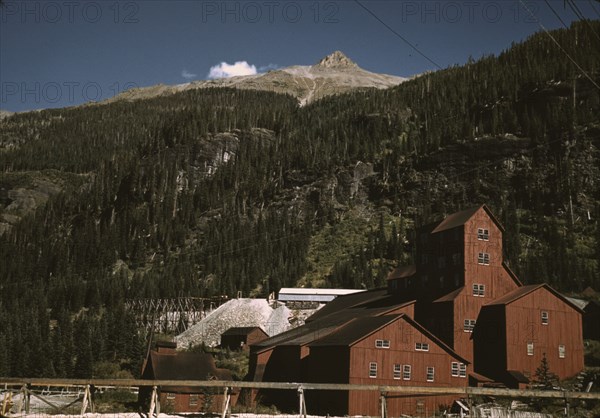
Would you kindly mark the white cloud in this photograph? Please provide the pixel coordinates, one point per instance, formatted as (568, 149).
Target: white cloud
(187, 75)
(224, 70)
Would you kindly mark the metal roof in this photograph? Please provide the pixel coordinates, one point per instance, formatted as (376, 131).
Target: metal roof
(317, 291)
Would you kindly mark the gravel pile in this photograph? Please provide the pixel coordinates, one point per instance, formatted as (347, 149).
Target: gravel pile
(236, 313)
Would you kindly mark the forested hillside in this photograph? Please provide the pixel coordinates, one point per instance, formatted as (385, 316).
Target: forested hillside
(210, 192)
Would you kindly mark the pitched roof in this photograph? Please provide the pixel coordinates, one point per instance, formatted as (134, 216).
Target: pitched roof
(313, 330)
(356, 330)
(347, 301)
(518, 293)
(403, 272)
(515, 294)
(240, 331)
(460, 218)
(183, 366)
(518, 376)
(360, 328)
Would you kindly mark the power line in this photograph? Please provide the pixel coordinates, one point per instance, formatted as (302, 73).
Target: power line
(558, 44)
(574, 8)
(594, 7)
(556, 14)
(578, 13)
(406, 41)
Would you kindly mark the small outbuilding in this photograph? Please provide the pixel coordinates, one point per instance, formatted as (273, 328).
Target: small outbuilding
(165, 363)
(237, 338)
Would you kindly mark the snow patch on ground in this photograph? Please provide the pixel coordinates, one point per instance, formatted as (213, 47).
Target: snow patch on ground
(236, 313)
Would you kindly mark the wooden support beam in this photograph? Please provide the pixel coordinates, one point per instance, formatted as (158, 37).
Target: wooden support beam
(87, 399)
(407, 390)
(226, 403)
(47, 402)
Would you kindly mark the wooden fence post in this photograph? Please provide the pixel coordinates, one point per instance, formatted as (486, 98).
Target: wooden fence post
(154, 403)
(383, 404)
(226, 403)
(6, 404)
(301, 402)
(87, 400)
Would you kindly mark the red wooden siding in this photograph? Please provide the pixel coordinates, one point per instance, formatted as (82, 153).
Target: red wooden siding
(343, 364)
(524, 324)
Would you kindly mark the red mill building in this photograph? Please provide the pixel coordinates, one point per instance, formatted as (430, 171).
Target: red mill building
(458, 317)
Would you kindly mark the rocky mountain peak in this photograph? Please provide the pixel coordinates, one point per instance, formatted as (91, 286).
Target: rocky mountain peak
(336, 60)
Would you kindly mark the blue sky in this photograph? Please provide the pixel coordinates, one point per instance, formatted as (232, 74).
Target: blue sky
(66, 52)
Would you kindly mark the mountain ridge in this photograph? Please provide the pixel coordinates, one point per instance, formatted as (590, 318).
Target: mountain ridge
(333, 74)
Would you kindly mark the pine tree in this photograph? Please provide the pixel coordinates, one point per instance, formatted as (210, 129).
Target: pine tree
(544, 377)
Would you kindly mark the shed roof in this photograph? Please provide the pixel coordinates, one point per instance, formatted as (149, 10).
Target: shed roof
(450, 296)
(581, 304)
(518, 293)
(518, 376)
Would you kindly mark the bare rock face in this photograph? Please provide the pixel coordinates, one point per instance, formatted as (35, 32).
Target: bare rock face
(337, 60)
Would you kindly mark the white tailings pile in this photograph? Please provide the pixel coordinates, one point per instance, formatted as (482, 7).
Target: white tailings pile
(236, 313)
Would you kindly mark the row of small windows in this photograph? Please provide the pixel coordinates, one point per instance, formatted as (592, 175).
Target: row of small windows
(479, 290)
(386, 344)
(562, 350)
(404, 371)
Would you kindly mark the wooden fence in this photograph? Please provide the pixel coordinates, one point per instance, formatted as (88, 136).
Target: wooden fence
(88, 386)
